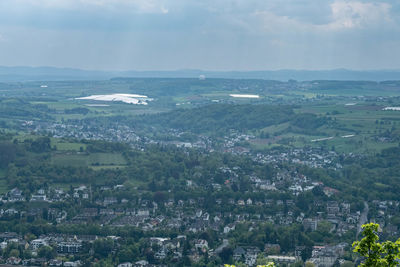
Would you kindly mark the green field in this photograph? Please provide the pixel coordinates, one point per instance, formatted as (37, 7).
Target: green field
(98, 160)
(365, 121)
(67, 146)
(109, 167)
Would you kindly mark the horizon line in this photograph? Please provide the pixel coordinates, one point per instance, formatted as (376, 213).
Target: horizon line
(200, 70)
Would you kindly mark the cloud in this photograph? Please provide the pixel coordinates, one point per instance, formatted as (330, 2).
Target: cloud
(342, 16)
(138, 6)
(224, 34)
(354, 14)
(245, 16)
(93, 15)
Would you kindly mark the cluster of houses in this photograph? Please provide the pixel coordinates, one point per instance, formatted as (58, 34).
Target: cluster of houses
(384, 212)
(42, 195)
(327, 255)
(118, 132)
(64, 245)
(84, 130)
(309, 156)
(189, 216)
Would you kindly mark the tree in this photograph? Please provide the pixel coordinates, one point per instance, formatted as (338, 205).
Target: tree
(14, 253)
(268, 264)
(347, 264)
(46, 252)
(262, 261)
(7, 154)
(103, 247)
(126, 255)
(159, 197)
(226, 254)
(375, 253)
(41, 144)
(324, 227)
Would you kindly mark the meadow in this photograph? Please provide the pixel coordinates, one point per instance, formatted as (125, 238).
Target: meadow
(95, 160)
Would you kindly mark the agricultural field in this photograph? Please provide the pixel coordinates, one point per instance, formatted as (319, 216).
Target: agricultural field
(362, 127)
(351, 111)
(66, 145)
(95, 160)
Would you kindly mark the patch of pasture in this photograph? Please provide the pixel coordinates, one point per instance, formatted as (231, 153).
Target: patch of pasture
(88, 160)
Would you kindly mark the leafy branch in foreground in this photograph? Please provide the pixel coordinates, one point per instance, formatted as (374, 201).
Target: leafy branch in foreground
(376, 254)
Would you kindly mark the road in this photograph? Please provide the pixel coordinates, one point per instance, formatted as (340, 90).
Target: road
(225, 243)
(363, 218)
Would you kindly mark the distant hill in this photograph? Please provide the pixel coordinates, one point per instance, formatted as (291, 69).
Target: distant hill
(280, 75)
(17, 74)
(22, 73)
(218, 119)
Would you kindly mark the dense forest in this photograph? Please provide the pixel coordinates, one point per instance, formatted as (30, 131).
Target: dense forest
(216, 119)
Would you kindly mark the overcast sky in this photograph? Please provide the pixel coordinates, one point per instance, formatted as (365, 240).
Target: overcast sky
(201, 34)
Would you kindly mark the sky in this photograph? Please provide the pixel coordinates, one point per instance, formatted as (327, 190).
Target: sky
(201, 34)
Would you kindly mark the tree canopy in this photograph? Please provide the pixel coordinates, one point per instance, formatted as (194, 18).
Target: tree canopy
(374, 253)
